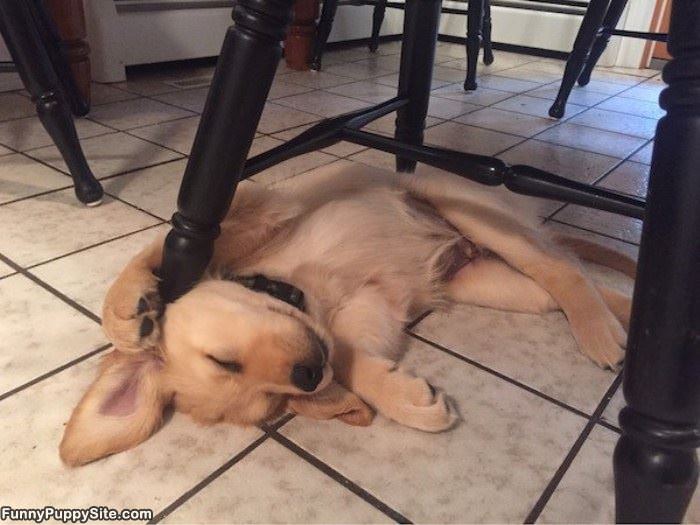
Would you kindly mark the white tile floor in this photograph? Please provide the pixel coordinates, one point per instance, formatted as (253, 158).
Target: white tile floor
(538, 425)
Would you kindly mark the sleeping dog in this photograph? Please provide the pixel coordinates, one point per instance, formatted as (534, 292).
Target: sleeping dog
(304, 303)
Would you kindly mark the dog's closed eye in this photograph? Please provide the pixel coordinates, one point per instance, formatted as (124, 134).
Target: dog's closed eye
(232, 366)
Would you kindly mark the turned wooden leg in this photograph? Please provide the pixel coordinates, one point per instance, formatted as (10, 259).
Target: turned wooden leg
(656, 466)
(19, 27)
(475, 13)
(377, 20)
(486, 33)
(300, 37)
(324, 29)
(416, 73)
(612, 17)
(592, 21)
(244, 73)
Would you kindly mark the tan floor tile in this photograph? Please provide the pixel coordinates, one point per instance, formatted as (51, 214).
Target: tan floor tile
(176, 134)
(134, 113)
(644, 154)
(13, 105)
(469, 139)
(646, 92)
(506, 121)
(511, 85)
(341, 149)
(630, 177)
(448, 109)
(190, 99)
(288, 168)
(277, 118)
(21, 177)
(618, 226)
(315, 79)
(10, 82)
(5, 269)
(616, 122)
(483, 96)
(534, 106)
(580, 96)
(633, 106)
(27, 133)
(365, 90)
(105, 93)
(360, 70)
(592, 139)
(322, 103)
(393, 80)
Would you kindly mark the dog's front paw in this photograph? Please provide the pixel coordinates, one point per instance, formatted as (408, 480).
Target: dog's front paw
(602, 339)
(132, 312)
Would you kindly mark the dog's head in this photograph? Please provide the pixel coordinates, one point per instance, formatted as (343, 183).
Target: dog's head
(227, 354)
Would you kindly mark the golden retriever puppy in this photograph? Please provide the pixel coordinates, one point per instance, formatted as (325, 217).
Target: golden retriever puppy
(369, 250)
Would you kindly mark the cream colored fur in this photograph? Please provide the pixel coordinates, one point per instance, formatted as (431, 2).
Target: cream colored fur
(371, 250)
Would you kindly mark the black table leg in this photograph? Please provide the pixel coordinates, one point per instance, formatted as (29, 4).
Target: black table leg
(486, 33)
(239, 89)
(377, 20)
(475, 13)
(417, 57)
(656, 466)
(325, 24)
(21, 33)
(590, 25)
(609, 24)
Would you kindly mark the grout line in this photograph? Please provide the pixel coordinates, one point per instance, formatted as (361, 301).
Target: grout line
(417, 320)
(500, 375)
(63, 297)
(573, 452)
(207, 480)
(53, 372)
(340, 478)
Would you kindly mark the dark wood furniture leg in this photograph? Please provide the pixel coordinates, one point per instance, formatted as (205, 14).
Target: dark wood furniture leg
(377, 20)
(612, 17)
(251, 51)
(592, 21)
(656, 466)
(325, 25)
(22, 28)
(486, 33)
(475, 13)
(417, 56)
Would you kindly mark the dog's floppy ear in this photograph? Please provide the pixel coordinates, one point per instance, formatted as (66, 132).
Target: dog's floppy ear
(122, 408)
(334, 401)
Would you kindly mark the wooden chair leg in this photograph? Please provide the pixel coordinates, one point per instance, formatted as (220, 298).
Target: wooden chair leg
(655, 463)
(612, 17)
(486, 33)
(377, 20)
(36, 68)
(244, 73)
(592, 21)
(325, 25)
(416, 73)
(475, 13)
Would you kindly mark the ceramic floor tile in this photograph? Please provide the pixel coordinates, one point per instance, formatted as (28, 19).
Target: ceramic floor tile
(624, 228)
(612, 411)
(86, 276)
(393, 80)
(537, 350)
(644, 154)
(145, 85)
(469, 139)
(358, 70)
(27, 133)
(365, 90)
(351, 54)
(376, 158)
(341, 149)
(646, 92)
(534, 106)
(21, 177)
(387, 124)
(176, 134)
(105, 93)
(507, 121)
(277, 118)
(592, 139)
(10, 82)
(469, 469)
(39, 332)
(511, 85)
(5, 151)
(582, 97)
(111, 154)
(641, 108)
(389, 48)
(274, 485)
(5, 270)
(288, 168)
(54, 224)
(586, 493)
(612, 77)
(449, 109)
(601, 86)
(136, 112)
(190, 99)
(316, 79)
(386, 63)
(530, 75)
(448, 74)
(629, 249)
(149, 476)
(633, 71)
(631, 178)
(280, 89)
(616, 122)
(483, 96)
(322, 103)
(13, 105)
(552, 66)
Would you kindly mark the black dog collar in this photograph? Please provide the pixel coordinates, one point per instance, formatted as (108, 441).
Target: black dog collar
(286, 292)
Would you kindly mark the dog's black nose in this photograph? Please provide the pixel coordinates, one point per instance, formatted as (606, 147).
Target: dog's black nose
(306, 377)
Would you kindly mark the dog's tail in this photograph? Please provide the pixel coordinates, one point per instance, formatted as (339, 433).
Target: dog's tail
(598, 254)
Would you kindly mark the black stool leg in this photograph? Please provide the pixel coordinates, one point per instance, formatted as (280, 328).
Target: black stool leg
(612, 17)
(325, 24)
(417, 57)
(475, 13)
(590, 26)
(241, 83)
(486, 33)
(24, 42)
(656, 467)
(377, 20)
